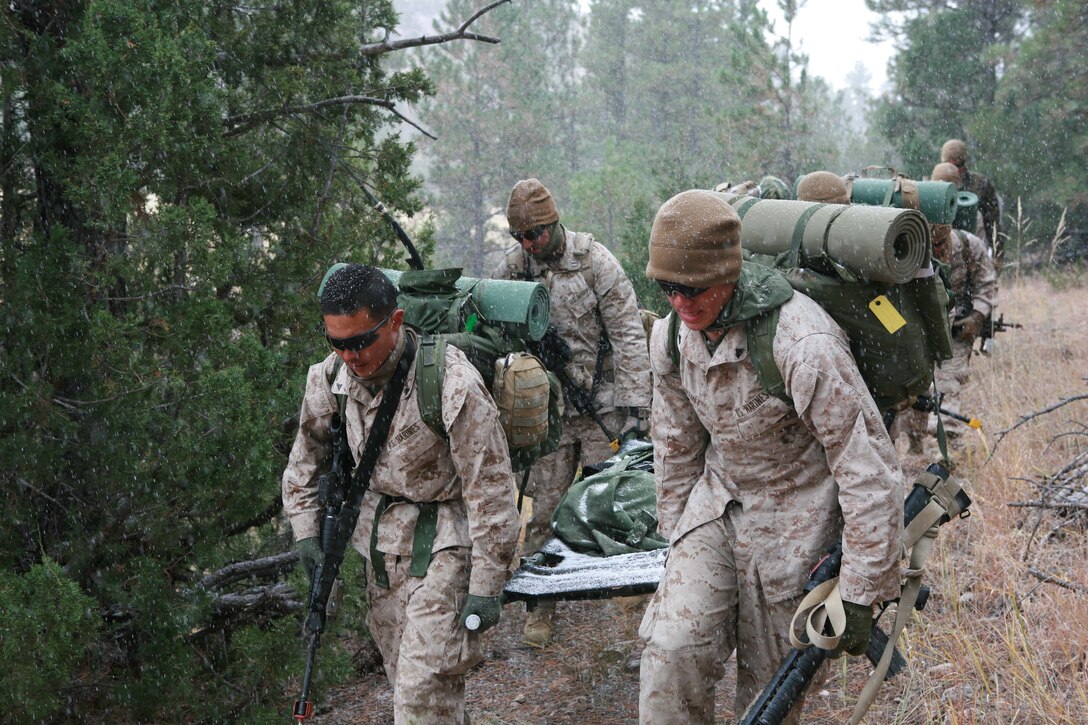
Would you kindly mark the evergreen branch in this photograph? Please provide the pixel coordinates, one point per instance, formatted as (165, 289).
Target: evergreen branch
(460, 34)
(263, 517)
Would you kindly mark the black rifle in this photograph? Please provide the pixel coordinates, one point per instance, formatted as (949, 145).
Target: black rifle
(798, 668)
(556, 354)
(341, 515)
(990, 328)
(932, 404)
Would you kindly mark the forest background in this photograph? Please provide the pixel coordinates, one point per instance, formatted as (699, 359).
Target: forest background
(176, 177)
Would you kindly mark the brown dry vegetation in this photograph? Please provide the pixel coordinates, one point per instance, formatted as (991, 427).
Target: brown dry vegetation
(995, 644)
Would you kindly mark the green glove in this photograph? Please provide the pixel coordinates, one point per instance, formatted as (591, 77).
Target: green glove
(483, 612)
(859, 627)
(310, 554)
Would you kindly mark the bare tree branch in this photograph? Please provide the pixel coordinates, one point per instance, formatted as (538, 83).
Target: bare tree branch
(1051, 579)
(263, 517)
(243, 122)
(267, 566)
(1031, 416)
(460, 34)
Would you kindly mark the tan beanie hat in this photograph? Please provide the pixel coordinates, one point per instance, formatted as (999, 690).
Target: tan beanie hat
(531, 205)
(954, 151)
(945, 171)
(823, 186)
(695, 241)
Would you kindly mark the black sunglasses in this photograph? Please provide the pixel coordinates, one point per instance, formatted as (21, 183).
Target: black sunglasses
(672, 288)
(363, 340)
(529, 234)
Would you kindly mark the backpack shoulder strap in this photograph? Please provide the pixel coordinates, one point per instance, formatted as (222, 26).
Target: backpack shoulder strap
(330, 378)
(674, 338)
(430, 374)
(760, 334)
(581, 247)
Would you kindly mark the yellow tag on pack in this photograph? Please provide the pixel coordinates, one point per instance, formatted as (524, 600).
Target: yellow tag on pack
(885, 311)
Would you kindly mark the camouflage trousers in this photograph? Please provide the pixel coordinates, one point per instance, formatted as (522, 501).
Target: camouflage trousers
(708, 603)
(425, 651)
(583, 442)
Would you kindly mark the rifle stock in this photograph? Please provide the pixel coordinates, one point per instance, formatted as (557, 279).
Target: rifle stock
(800, 666)
(556, 354)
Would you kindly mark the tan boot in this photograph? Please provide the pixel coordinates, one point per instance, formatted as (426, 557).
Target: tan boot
(538, 626)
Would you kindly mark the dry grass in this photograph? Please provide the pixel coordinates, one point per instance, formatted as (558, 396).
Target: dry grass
(995, 644)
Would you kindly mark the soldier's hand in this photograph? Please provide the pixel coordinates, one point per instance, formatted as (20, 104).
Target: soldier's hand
(309, 554)
(859, 627)
(483, 612)
(968, 328)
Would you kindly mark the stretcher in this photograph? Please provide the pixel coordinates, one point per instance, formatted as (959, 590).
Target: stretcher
(557, 572)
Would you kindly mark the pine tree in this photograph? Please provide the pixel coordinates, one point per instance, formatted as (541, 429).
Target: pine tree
(175, 178)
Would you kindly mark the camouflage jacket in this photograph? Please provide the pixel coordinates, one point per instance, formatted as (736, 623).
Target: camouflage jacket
(804, 476)
(469, 473)
(589, 290)
(973, 278)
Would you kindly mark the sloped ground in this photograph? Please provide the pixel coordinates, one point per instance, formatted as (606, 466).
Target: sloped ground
(995, 644)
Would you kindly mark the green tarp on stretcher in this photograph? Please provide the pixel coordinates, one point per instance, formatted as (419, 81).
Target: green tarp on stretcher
(613, 511)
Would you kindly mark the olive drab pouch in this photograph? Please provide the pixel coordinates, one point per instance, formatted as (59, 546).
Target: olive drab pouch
(521, 394)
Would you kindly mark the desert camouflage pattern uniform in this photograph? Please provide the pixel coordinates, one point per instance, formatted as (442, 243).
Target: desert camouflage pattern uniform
(589, 292)
(415, 620)
(751, 492)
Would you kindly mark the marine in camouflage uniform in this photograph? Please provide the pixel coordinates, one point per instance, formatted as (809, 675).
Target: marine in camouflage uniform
(415, 619)
(954, 151)
(752, 490)
(974, 288)
(593, 308)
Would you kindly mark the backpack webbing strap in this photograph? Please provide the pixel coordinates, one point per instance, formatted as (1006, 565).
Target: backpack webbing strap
(745, 205)
(674, 338)
(760, 334)
(794, 258)
(430, 374)
(422, 538)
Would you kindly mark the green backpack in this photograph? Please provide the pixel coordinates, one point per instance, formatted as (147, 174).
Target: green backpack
(896, 359)
(447, 313)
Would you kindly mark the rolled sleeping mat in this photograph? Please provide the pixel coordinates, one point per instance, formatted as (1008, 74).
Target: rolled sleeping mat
(522, 308)
(966, 211)
(874, 243)
(935, 199)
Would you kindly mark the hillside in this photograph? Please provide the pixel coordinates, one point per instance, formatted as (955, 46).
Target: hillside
(995, 644)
